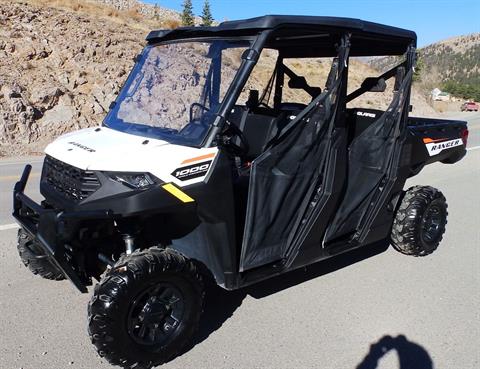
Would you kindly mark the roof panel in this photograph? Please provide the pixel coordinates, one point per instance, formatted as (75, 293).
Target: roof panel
(274, 21)
(371, 38)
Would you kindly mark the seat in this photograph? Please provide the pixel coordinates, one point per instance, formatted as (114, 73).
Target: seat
(359, 119)
(257, 129)
(260, 126)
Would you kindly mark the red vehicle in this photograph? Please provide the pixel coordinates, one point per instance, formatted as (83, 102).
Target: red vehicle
(469, 106)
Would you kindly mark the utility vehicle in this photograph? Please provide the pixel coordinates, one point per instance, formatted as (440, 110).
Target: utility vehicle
(194, 176)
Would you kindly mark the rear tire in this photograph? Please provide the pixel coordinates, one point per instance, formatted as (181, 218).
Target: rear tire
(146, 309)
(420, 221)
(35, 259)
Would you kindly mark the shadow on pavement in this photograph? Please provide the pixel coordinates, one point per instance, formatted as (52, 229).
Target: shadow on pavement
(410, 355)
(221, 304)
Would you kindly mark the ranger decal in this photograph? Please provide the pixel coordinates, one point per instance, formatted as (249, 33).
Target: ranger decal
(192, 171)
(83, 147)
(435, 148)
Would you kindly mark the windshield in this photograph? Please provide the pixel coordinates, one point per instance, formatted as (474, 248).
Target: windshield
(175, 90)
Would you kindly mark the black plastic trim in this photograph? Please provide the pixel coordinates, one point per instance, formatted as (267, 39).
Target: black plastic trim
(44, 224)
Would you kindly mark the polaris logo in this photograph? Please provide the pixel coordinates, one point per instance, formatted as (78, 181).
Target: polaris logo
(192, 171)
(436, 148)
(366, 114)
(83, 147)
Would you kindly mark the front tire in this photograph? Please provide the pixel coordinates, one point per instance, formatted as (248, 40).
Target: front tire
(420, 221)
(146, 309)
(35, 259)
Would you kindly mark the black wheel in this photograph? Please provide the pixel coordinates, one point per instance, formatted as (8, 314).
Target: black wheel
(146, 309)
(35, 259)
(420, 221)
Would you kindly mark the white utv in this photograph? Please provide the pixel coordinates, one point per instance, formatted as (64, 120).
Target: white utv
(183, 183)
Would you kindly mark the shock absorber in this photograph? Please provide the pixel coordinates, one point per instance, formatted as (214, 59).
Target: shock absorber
(129, 241)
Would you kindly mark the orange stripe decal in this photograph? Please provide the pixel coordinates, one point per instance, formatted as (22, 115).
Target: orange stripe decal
(197, 158)
(430, 140)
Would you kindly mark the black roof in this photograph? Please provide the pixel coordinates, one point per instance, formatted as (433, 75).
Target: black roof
(302, 25)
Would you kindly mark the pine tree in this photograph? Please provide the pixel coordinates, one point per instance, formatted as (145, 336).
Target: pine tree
(156, 12)
(207, 18)
(419, 69)
(187, 14)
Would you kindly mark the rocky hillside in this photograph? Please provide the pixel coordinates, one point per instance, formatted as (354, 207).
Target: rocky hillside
(147, 10)
(62, 62)
(59, 71)
(453, 60)
(456, 59)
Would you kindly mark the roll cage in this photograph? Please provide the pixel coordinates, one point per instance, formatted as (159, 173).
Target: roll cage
(295, 37)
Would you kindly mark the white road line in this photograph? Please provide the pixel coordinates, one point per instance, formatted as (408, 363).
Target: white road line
(3, 164)
(17, 177)
(5, 227)
(473, 148)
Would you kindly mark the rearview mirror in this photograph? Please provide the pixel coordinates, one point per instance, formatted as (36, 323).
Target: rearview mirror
(375, 85)
(301, 83)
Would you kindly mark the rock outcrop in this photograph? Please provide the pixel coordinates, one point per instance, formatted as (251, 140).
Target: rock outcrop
(148, 10)
(59, 71)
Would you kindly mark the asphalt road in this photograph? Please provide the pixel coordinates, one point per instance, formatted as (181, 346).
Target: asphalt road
(344, 313)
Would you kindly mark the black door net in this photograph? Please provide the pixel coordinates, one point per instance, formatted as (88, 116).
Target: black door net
(288, 174)
(373, 160)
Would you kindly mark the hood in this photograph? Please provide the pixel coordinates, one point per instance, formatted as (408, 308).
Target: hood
(105, 149)
(93, 147)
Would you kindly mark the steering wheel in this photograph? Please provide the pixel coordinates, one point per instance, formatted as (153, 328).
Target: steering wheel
(239, 150)
(203, 107)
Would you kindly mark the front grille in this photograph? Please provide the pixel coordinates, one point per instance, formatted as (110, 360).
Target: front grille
(72, 183)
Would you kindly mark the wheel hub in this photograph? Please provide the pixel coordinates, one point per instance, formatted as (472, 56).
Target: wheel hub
(156, 314)
(155, 307)
(431, 224)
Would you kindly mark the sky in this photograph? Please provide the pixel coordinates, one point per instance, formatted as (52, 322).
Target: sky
(432, 20)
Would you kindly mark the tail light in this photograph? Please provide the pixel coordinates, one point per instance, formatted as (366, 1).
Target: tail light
(464, 135)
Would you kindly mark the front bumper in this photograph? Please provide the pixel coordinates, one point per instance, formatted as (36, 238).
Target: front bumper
(47, 226)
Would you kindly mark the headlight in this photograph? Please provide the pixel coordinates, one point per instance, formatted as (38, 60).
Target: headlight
(134, 180)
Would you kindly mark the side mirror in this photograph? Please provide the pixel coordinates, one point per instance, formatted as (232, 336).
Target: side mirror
(374, 85)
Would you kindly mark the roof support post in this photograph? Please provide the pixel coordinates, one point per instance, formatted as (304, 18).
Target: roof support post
(249, 60)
